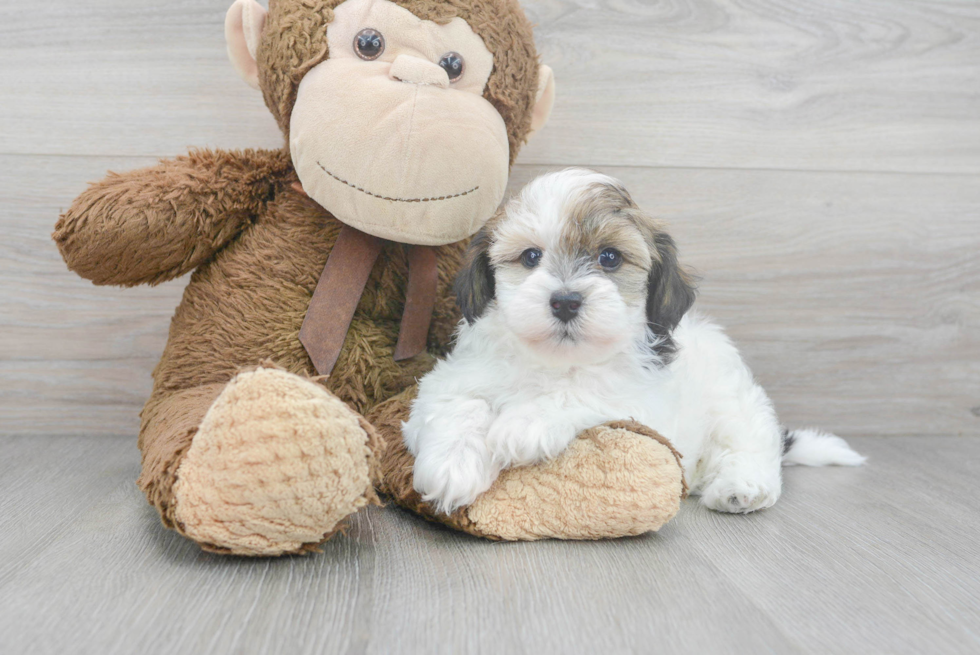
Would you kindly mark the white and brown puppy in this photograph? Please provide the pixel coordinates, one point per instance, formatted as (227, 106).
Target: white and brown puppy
(576, 313)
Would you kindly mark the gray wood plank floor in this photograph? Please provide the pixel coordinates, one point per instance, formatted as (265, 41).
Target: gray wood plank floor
(881, 559)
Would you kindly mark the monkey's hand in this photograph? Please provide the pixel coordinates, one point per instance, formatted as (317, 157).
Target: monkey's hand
(154, 224)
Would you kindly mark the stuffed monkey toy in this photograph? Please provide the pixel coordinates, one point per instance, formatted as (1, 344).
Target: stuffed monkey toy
(321, 281)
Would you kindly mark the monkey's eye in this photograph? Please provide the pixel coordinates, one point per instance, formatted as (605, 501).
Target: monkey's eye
(531, 257)
(452, 63)
(610, 259)
(369, 44)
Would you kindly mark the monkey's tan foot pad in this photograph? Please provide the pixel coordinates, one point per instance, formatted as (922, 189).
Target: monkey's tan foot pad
(615, 480)
(277, 463)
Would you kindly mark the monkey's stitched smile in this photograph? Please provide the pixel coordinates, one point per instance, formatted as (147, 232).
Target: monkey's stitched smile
(375, 195)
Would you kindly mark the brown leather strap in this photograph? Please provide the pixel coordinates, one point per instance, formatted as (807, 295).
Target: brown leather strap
(341, 286)
(336, 296)
(420, 299)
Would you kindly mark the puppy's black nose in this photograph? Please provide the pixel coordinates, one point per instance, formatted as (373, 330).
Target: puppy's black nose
(565, 306)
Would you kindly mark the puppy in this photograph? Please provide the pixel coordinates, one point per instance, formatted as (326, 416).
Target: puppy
(577, 313)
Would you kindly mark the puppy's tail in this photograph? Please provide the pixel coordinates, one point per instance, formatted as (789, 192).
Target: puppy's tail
(811, 447)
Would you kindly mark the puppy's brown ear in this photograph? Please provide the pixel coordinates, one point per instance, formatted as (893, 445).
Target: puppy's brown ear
(670, 289)
(474, 285)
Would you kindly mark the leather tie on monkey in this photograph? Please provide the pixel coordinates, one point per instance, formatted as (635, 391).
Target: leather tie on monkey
(341, 286)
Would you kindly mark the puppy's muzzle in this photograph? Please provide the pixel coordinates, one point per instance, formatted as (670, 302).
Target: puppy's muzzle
(565, 306)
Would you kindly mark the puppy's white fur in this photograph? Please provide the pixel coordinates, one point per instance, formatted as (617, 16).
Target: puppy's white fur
(521, 384)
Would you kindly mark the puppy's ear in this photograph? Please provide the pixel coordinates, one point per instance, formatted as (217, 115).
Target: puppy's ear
(474, 285)
(670, 289)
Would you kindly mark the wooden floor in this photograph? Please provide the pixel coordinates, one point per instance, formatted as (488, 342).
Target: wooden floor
(881, 559)
(819, 164)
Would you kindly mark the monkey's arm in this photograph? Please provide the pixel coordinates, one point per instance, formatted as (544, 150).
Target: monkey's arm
(154, 224)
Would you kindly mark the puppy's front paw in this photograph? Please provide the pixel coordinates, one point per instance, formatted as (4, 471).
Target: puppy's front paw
(739, 495)
(454, 478)
(522, 436)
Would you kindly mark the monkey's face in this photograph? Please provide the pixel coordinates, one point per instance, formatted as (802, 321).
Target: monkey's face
(399, 126)
(392, 142)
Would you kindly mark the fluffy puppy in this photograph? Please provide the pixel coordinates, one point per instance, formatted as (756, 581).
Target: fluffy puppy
(576, 313)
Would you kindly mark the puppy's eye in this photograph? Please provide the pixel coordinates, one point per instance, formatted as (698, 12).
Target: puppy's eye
(452, 63)
(369, 44)
(531, 257)
(610, 259)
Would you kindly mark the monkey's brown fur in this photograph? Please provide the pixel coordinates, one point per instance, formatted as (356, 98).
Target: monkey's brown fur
(256, 247)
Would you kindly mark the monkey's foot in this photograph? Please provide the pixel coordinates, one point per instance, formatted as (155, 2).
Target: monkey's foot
(615, 480)
(277, 464)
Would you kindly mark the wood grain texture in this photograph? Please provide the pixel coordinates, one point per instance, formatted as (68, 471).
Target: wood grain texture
(123, 77)
(876, 85)
(880, 559)
(881, 85)
(855, 296)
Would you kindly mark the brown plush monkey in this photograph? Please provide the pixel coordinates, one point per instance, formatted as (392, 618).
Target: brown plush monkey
(335, 256)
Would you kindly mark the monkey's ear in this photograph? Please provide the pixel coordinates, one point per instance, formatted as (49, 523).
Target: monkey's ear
(243, 30)
(475, 286)
(544, 100)
(670, 289)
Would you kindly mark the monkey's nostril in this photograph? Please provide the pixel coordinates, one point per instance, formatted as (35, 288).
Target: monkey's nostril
(414, 70)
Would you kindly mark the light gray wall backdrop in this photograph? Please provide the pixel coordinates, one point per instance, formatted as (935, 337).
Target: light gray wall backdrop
(819, 161)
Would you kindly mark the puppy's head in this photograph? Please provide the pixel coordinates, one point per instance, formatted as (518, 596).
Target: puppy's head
(576, 270)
